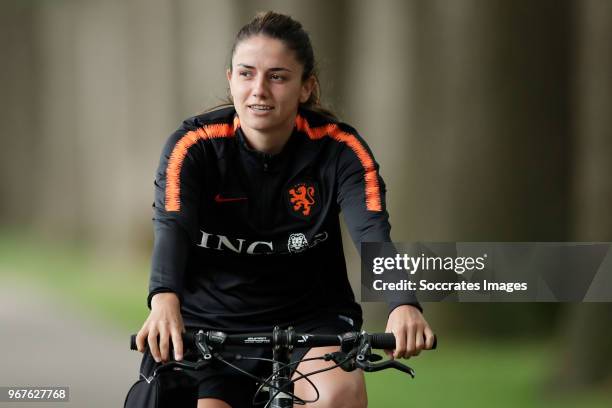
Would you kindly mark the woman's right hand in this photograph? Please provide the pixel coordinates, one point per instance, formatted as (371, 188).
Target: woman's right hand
(165, 321)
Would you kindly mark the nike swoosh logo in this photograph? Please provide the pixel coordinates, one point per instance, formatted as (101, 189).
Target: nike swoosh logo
(220, 199)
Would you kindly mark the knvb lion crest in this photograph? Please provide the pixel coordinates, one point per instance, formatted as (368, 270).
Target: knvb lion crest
(297, 243)
(303, 199)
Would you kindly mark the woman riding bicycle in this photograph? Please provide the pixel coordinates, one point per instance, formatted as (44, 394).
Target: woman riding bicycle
(247, 232)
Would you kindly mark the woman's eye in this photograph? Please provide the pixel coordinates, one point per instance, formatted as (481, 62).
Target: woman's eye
(277, 77)
(245, 74)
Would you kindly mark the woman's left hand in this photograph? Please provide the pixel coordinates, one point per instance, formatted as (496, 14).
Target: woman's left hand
(412, 333)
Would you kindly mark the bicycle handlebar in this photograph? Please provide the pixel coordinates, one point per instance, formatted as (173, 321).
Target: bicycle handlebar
(385, 341)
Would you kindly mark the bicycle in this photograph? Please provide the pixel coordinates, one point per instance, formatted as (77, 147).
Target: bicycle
(355, 352)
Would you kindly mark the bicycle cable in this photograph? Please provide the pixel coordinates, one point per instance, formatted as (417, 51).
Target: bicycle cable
(305, 376)
(296, 399)
(264, 382)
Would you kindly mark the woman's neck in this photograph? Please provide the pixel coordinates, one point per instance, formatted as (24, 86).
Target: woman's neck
(270, 141)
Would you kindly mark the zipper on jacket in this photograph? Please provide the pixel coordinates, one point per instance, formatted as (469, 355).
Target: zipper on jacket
(264, 193)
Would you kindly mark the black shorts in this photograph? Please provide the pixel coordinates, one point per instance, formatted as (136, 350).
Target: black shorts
(227, 384)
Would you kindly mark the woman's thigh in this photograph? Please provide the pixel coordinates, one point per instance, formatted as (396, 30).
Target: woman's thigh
(337, 388)
(212, 403)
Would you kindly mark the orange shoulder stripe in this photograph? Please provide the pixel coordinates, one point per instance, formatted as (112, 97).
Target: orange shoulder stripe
(175, 163)
(372, 188)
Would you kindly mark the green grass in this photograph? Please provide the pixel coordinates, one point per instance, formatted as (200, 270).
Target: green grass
(469, 373)
(477, 374)
(112, 290)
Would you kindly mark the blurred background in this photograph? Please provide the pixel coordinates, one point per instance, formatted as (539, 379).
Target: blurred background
(491, 119)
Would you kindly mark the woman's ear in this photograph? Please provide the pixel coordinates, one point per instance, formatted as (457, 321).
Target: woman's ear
(307, 88)
(228, 74)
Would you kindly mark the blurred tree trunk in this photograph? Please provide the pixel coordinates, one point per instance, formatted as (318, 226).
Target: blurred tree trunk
(491, 123)
(19, 128)
(57, 190)
(465, 103)
(587, 328)
(377, 99)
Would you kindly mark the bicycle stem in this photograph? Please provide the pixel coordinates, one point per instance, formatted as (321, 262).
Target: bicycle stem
(281, 354)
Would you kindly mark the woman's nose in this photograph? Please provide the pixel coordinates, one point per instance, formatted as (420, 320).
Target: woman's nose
(260, 87)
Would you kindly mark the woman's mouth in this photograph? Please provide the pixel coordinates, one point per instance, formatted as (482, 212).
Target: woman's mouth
(260, 107)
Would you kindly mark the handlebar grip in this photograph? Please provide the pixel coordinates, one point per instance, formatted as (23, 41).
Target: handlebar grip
(386, 341)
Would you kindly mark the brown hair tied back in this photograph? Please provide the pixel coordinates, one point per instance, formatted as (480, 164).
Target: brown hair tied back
(293, 35)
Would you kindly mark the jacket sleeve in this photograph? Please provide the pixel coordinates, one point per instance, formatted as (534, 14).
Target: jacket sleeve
(178, 187)
(361, 197)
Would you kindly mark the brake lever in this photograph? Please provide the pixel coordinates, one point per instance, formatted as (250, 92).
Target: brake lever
(343, 360)
(374, 357)
(202, 345)
(365, 365)
(197, 365)
(181, 365)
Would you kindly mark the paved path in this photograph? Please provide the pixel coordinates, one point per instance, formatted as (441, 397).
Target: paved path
(43, 342)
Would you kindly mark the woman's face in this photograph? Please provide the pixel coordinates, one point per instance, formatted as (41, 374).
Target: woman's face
(266, 85)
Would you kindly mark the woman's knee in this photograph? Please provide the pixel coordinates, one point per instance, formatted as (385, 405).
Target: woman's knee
(349, 393)
(337, 388)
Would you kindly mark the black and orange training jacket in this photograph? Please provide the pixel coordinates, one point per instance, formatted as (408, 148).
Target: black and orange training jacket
(250, 240)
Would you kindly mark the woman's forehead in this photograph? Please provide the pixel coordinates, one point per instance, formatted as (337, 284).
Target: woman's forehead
(262, 51)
